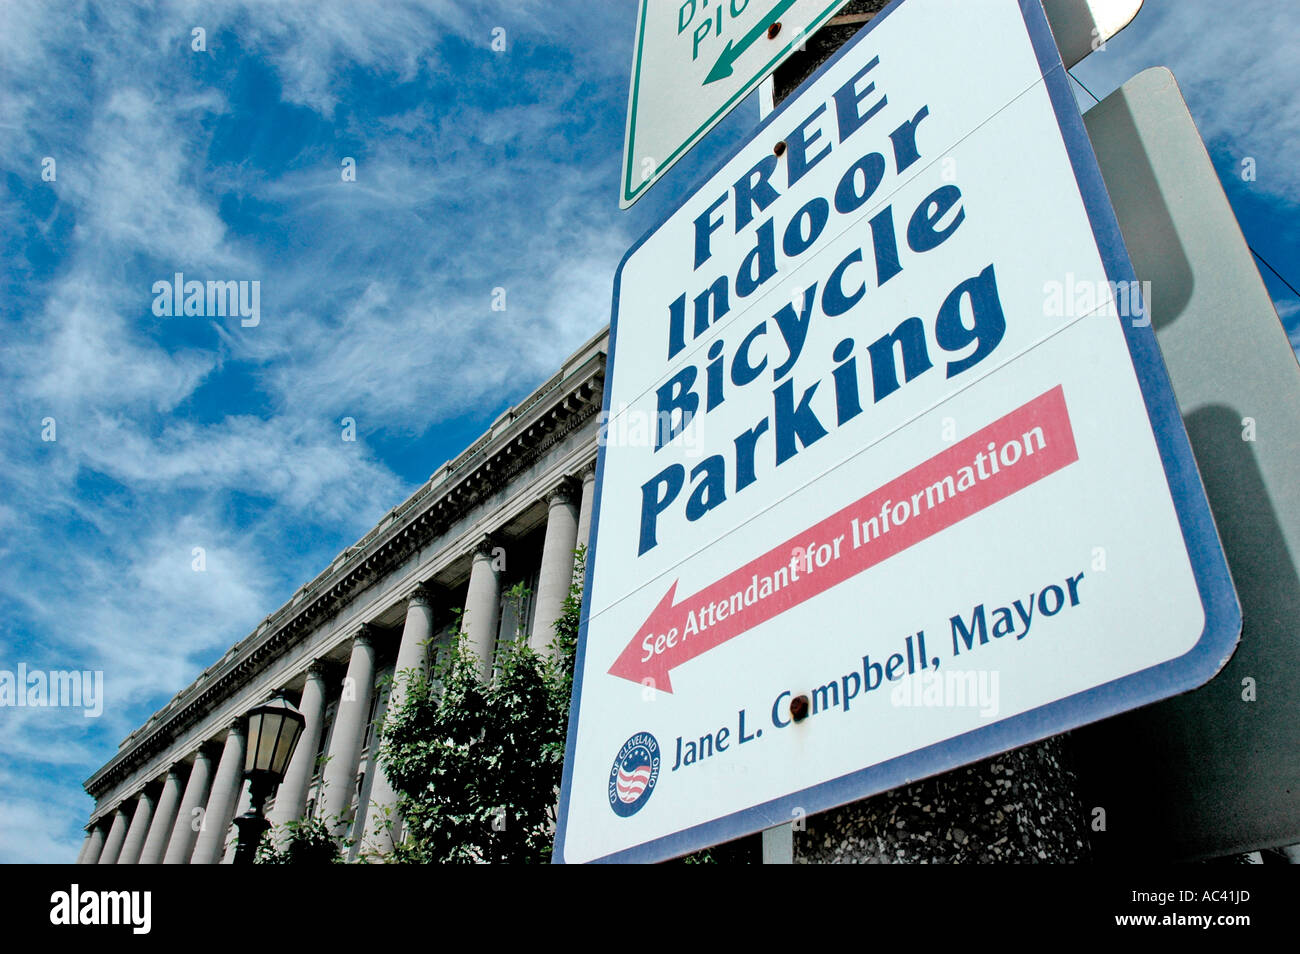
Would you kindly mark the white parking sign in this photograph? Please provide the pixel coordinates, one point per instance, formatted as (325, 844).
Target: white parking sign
(900, 482)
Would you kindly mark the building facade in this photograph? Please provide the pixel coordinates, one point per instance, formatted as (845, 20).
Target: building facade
(510, 509)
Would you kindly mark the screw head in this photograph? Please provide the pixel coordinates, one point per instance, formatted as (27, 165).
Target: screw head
(773, 30)
(799, 708)
(779, 148)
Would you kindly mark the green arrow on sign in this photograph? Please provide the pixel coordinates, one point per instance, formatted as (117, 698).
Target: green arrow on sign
(734, 48)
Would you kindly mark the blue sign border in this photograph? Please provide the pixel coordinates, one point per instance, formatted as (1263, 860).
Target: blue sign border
(1209, 566)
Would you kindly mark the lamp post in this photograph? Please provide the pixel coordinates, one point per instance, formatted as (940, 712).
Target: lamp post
(273, 731)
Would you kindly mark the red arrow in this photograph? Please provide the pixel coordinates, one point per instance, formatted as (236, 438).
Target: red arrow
(1030, 443)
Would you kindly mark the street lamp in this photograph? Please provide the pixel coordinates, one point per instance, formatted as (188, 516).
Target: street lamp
(273, 731)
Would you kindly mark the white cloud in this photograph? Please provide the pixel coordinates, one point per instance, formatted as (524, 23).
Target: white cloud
(82, 352)
(138, 190)
(36, 826)
(276, 459)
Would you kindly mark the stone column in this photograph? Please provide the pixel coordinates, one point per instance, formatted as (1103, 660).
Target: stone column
(92, 846)
(483, 605)
(291, 797)
(220, 810)
(164, 819)
(138, 831)
(588, 501)
(244, 803)
(98, 838)
(413, 652)
(81, 852)
(412, 659)
(184, 832)
(557, 563)
(116, 837)
(349, 733)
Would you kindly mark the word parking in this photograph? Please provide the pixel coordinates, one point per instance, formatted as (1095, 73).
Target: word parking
(965, 324)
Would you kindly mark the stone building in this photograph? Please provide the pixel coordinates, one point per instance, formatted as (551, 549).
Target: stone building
(510, 509)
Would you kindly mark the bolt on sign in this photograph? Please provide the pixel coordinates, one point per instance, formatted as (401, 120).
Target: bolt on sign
(693, 62)
(910, 486)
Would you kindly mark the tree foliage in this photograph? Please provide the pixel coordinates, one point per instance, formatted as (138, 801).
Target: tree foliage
(476, 763)
(305, 842)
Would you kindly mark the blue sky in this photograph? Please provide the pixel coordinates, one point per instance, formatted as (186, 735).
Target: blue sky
(475, 170)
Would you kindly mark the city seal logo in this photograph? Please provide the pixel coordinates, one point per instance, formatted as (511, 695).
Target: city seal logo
(634, 774)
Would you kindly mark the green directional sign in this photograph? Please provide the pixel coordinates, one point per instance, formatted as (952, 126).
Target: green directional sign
(694, 60)
(735, 49)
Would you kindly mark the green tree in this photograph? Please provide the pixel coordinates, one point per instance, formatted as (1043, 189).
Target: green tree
(477, 764)
(305, 842)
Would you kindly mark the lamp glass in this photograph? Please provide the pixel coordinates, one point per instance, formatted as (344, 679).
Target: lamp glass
(273, 730)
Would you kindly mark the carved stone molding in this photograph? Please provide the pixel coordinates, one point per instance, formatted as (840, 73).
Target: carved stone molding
(421, 594)
(484, 546)
(564, 491)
